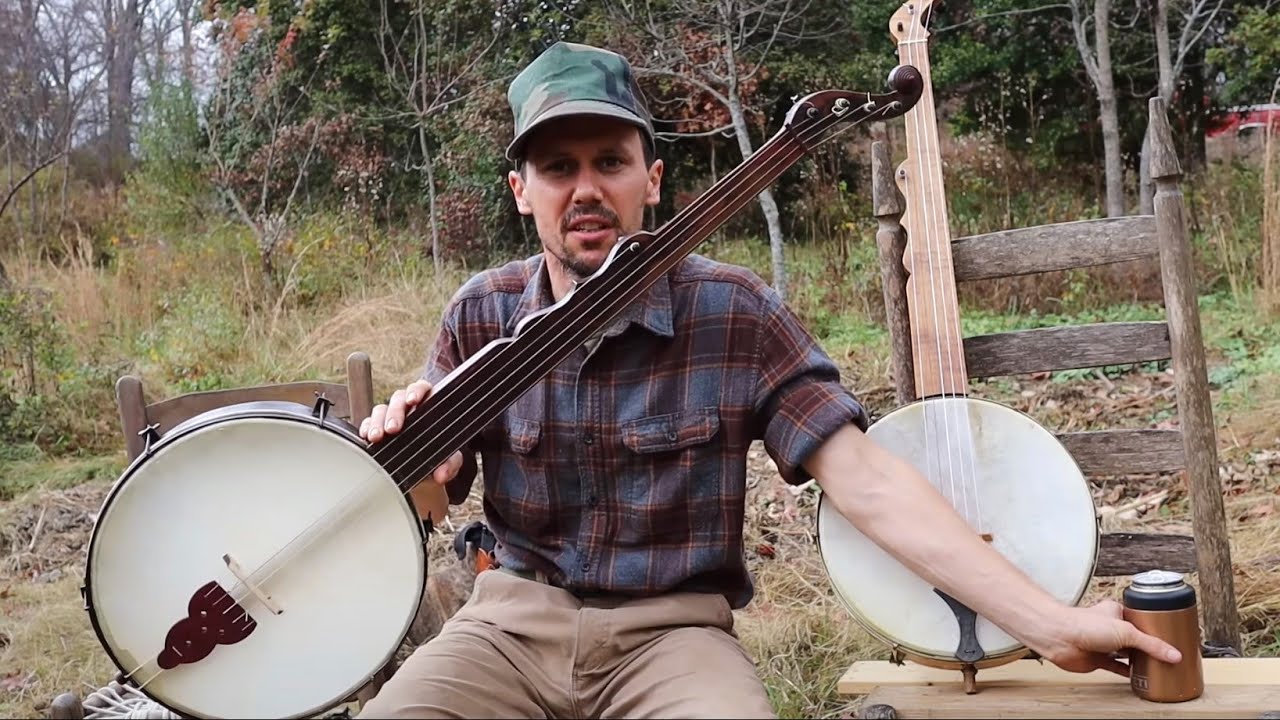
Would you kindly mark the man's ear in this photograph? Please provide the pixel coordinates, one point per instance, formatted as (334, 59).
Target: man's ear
(655, 183)
(517, 190)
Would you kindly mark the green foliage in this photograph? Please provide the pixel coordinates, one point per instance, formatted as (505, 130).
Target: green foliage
(1249, 57)
(169, 189)
(44, 383)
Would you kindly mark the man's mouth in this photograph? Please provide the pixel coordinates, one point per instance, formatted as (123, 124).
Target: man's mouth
(591, 228)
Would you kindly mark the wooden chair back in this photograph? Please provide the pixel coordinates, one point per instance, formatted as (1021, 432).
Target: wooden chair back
(352, 401)
(1192, 448)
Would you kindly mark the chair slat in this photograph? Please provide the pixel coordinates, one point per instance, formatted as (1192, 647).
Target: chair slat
(1131, 553)
(1065, 348)
(1060, 246)
(173, 411)
(1122, 452)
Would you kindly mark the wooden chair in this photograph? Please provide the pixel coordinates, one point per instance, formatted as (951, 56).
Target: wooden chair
(1235, 686)
(352, 401)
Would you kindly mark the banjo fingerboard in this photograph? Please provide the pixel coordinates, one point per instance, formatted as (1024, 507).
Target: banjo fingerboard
(937, 342)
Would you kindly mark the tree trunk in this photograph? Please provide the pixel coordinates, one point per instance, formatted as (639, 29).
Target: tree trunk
(122, 35)
(767, 204)
(428, 168)
(1107, 105)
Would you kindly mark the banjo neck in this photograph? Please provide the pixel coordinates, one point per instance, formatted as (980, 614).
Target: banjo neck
(937, 341)
(478, 391)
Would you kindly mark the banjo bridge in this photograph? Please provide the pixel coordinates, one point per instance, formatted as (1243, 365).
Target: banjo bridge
(213, 618)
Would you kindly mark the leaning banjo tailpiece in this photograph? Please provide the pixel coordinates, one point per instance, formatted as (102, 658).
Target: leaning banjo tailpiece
(1009, 478)
(263, 560)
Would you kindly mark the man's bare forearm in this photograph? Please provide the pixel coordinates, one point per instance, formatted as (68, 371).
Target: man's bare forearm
(891, 503)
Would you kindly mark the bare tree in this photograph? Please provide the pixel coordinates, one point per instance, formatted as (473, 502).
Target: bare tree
(433, 63)
(1097, 63)
(717, 50)
(122, 22)
(1197, 17)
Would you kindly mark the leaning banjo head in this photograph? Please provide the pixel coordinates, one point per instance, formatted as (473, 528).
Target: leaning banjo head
(307, 565)
(1013, 480)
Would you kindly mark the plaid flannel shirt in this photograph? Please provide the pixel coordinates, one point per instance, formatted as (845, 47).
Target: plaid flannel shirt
(624, 470)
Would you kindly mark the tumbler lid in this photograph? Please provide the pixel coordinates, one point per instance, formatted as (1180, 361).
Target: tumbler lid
(1157, 580)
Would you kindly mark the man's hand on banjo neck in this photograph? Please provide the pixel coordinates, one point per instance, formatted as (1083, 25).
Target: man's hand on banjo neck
(389, 418)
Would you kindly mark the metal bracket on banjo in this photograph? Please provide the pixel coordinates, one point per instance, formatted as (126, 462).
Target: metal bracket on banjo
(150, 435)
(321, 409)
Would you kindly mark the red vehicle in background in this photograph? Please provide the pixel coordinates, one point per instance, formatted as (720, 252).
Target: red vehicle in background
(1241, 132)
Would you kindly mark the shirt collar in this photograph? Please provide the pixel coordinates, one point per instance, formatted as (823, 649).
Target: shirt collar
(652, 310)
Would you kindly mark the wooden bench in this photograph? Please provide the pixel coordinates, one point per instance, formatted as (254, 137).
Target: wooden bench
(1236, 687)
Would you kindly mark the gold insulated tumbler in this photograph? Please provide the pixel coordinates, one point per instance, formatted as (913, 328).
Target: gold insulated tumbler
(1160, 603)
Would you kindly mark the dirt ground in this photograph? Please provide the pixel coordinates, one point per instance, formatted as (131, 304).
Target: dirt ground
(796, 629)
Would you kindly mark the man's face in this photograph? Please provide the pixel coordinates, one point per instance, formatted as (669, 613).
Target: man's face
(585, 184)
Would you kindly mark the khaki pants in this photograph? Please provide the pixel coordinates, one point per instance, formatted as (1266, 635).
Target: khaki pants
(523, 649)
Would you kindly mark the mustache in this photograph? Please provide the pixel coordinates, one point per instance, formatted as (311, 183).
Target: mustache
(598, 210)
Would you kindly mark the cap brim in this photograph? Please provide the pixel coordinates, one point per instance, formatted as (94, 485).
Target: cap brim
(595, 108)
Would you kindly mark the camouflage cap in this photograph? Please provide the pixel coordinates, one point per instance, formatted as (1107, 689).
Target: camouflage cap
(575, 79)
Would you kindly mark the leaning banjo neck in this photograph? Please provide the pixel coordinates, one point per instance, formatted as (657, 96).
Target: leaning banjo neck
(937, 342)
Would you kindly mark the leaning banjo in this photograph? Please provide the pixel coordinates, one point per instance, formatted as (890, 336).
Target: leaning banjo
(262, 560)
(1007, 476)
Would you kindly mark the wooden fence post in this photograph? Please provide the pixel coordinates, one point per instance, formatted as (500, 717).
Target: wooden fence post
(1195, 412)
(888, 206)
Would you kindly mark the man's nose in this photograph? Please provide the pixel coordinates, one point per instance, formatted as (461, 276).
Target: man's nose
(587, 189)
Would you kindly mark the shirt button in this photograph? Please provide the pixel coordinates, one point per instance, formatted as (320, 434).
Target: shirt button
(587, 438)
(586, 566)
(593, 501)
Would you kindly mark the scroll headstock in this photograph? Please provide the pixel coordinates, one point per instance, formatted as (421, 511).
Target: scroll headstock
(813, 118)
(911, 21)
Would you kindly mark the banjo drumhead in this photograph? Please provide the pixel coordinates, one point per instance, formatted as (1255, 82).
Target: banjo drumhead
(1028, 491)
(248, 488)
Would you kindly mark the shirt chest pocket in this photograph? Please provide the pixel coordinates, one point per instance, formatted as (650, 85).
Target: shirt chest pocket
(672, 458)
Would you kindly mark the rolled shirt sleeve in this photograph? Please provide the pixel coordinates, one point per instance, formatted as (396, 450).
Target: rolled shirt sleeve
(800, 399)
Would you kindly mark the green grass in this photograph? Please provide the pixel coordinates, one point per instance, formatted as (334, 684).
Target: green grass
(24, 468)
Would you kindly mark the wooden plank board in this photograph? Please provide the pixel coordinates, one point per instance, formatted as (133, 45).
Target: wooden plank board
(1122, 452)
(866, 675)
(1066, 347)
(1110, 700)
(1130, 553)
(1060, 246)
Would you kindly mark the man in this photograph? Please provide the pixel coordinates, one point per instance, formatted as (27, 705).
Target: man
(615, 487)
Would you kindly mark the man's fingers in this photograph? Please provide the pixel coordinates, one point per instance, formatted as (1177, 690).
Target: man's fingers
(373, 424)
(417, 391)
(395, 412)
(1153, 646)
(448, 469)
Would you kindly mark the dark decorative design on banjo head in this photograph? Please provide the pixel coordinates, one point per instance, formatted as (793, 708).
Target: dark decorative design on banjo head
(213, 618)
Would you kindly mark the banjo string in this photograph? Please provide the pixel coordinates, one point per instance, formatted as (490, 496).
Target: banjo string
(967, 447)
(941, 454)
(936, 234)
(307, 535)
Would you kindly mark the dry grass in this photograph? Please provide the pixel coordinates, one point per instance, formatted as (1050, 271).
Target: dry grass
(49, 647)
